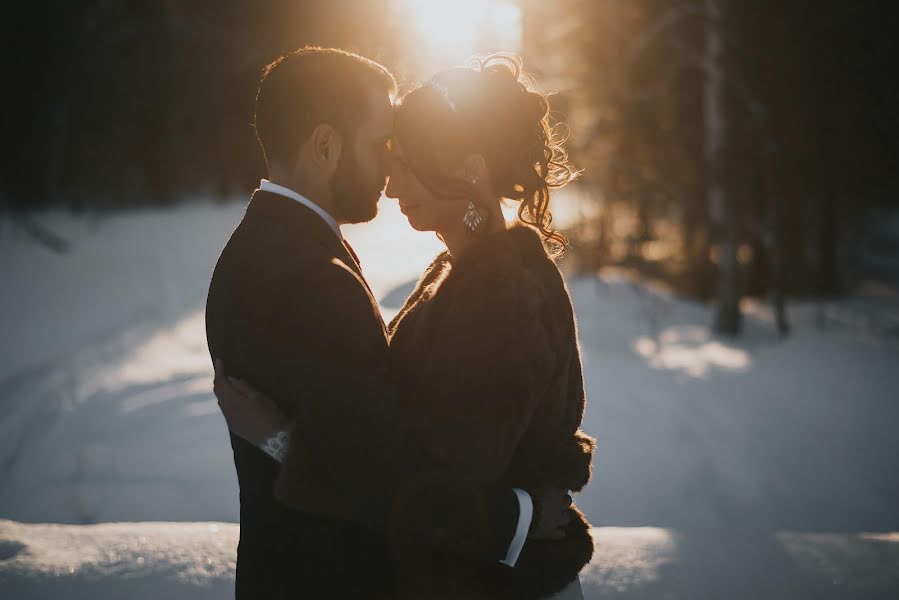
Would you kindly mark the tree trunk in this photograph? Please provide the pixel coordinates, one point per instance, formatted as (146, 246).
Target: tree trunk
(828, 280)
(773, 236)
(720, 199)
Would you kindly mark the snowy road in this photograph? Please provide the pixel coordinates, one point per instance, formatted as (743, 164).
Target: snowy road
(737, 452)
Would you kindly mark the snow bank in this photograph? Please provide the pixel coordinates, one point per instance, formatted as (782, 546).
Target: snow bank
(196, 561)
(118, 560)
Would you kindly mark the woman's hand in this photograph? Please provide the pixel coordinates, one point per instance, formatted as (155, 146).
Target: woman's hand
(249, 413)
(552, 515)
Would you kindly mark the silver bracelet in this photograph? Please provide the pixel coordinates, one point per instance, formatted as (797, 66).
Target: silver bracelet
(275, 445)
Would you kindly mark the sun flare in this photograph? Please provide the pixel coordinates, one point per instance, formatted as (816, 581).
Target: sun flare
(454, 29)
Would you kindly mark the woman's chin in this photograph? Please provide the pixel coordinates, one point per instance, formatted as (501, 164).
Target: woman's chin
(417, 225)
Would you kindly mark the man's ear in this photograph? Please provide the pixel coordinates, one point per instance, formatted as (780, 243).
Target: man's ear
(326, 144)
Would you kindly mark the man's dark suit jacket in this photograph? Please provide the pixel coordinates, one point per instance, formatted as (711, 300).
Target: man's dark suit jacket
(289, 311)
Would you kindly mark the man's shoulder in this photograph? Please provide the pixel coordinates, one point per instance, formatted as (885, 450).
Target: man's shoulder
(279, 261)
(325, 273)
(269, 244)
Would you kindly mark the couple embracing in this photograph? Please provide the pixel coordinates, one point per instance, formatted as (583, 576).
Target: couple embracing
(432, 457)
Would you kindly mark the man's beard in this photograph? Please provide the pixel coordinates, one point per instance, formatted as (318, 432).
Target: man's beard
(355, 200)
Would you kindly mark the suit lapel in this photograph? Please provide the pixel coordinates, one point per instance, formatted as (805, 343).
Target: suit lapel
(353, 261)
(354, 264)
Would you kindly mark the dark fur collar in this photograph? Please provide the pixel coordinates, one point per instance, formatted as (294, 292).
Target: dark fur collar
(497, 252)
(517, 243)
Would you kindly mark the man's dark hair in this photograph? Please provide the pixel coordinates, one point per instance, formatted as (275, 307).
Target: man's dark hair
(310, 86)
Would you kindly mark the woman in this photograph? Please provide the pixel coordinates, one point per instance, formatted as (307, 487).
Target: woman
(484, 352)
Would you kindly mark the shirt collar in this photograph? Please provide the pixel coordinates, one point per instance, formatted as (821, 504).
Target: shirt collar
(267, 186)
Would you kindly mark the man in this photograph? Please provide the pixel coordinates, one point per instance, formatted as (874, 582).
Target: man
(289, 310)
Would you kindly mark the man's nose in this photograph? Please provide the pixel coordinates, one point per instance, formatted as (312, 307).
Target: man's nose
(390, 191)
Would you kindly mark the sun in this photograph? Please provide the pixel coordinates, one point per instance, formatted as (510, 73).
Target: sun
(455, 29)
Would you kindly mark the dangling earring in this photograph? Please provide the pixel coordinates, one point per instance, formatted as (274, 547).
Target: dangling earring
(472, 218)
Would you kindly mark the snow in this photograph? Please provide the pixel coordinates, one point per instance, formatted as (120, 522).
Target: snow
(699, 432)
(735, 467)
(196, 561)
(118, 560)
(105, 405)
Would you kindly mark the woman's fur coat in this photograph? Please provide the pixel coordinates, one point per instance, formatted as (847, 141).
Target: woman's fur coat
(485, 356)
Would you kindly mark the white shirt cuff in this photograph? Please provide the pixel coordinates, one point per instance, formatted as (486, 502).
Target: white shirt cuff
(525, 515)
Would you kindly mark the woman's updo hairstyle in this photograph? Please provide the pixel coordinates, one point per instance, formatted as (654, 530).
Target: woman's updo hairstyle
(492, 109)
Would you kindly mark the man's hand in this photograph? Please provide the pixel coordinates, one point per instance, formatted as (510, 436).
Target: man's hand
(551, 516)
(250, 414)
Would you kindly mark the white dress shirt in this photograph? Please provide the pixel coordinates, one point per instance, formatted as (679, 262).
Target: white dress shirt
(525, 504)
(267, 186)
